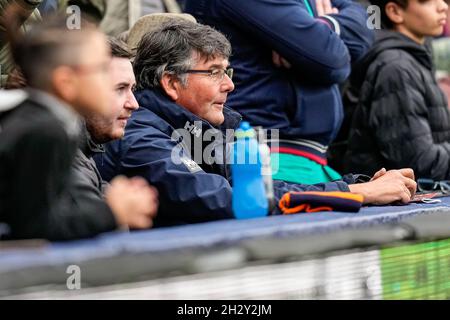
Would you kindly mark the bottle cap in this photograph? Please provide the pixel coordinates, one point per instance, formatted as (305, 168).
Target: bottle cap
(245, 131)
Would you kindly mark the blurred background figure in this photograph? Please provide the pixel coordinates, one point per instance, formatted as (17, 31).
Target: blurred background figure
(48, 7)
(117, 16)
(114, 17)
(29, 14)
(92, 10)
(441, 54)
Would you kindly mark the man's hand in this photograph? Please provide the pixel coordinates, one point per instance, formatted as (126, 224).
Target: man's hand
(279, 61)
(133, 202)
(379, 174)
(387, 187)
(324, 7)
(409, 173)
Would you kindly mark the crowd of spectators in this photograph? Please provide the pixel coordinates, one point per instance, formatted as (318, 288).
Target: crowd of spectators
(101, 125)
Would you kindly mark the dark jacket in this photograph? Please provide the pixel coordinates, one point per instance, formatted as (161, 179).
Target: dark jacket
(85, 169)
(304, 102)
(402, 118)
(38, 194)
(87, 187)
(156, 146)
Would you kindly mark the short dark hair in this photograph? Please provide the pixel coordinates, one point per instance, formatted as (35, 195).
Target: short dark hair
(385, 21)
(119, 49)
(45, 46)
(171, 49)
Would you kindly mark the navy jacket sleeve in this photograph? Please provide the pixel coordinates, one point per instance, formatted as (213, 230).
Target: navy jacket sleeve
(352, 20)
(187, 194)
(313, 49)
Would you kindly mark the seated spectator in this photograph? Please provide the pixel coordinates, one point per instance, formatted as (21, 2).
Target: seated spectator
(40, 133)
(183, 80)
(100, 129)
(402, 118)
(289, 57)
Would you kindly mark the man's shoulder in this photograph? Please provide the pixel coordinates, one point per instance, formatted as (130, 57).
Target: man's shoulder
(145, 129)
(145, 121)
(398, 56)
(393, 65)
(393, 58)
(81, 161)
(85, 175)
(29, 117)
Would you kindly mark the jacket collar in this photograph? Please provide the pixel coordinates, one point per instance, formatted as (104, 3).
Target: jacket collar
(179, 118)
(88, 146)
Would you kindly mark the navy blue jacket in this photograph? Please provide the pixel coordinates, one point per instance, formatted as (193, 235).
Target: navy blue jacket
(303, 102)
(190, 191)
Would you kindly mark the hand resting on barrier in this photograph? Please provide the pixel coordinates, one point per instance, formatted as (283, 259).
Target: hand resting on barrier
(387, 187)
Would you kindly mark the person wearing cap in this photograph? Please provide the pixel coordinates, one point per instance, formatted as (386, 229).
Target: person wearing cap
(149, 23)
(177, 140)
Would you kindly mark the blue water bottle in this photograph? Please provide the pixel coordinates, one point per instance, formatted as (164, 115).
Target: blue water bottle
(249, 195)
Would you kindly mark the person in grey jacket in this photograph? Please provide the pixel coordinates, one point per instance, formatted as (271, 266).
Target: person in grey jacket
(101, 129)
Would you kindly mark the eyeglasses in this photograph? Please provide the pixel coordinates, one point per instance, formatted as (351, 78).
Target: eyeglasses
(427, 185)
(216, 74)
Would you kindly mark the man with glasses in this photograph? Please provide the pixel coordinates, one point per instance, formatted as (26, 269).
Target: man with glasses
(290, 57)
(178, 138)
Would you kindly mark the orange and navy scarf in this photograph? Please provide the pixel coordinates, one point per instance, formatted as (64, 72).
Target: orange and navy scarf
(311, 201)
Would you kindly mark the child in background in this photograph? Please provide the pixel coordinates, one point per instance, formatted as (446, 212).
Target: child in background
(402, 118)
